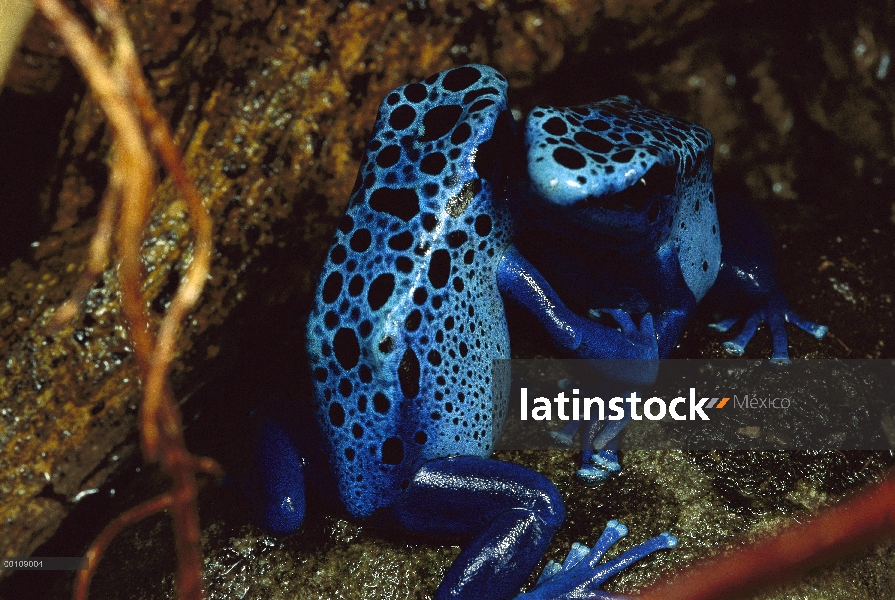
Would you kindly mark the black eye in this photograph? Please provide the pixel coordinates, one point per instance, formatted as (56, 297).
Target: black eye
(658, 181)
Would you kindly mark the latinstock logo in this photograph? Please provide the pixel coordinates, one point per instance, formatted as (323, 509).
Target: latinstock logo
(654, 408)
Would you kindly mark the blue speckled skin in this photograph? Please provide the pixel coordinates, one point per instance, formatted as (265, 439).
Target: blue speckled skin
(608, 215)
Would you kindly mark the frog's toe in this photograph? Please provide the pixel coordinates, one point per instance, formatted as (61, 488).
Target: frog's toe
(576, 553)
(776, 313)
(603, 465)
(818, 331)
(737, 345)
(581, 574)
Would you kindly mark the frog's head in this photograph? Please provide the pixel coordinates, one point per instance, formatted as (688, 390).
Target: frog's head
(614, 167)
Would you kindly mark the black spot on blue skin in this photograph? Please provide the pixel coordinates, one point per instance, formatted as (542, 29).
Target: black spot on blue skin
(392, 451)
(705, 266)
(415, 92)
(402, 203)
(439, 120)
(345, 387)
(480, 105)
(409, 374)
(439, 268)
(555, 126)
(623, 156)
(349, 453)
(357, 431)
(430, 189)
(346, 224)
(338, 255)
(388, 156)
(320, 374)
(336, 414)
(455, 239)
(460, 79)
(365, 328)
(596, 125)
(634, 138)
(356, 285)
(420, 295)
(401, 241)
(433, 164)
(381, 403)
(483, 225)
(469, 257)
(361, 239)
(430, 221)
(458, 284)
(347, 348)
(420, 437)
(330, 319)
(402, 117)
(461, 134)
(386, 345)
(413, 320)
(380, 290)
(393, 98)
(569, 158)
(473, 94)
(592, 142)
(434, 358)
(696, 206)
(365, 374)
(332, 287)
(404, 264)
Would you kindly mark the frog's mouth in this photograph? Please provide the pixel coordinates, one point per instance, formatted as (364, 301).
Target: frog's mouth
(635, 211)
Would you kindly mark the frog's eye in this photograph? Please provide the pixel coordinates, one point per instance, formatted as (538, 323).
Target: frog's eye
(658, 182)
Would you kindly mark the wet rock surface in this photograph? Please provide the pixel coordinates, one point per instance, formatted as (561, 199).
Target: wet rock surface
(271, 102)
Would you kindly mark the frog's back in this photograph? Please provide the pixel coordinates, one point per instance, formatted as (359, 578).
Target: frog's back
(408, 316)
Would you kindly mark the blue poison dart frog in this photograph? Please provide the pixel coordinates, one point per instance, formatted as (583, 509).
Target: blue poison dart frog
(607, 211)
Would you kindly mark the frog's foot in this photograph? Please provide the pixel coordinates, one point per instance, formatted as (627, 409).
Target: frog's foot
(603, 465)
(776, 313)
(581, 574)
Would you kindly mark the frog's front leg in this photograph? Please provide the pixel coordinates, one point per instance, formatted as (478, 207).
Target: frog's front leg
(747, 285)
(511, 513)
(519, 280)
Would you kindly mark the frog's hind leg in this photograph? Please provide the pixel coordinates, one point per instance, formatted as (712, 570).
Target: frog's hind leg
(275, 484)
(510, 511)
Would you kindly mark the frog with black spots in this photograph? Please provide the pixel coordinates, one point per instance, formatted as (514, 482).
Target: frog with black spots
(604, 212)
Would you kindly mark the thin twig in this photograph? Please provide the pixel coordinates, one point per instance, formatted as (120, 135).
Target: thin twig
(99, 545)
(849, 525)
(122, 93)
